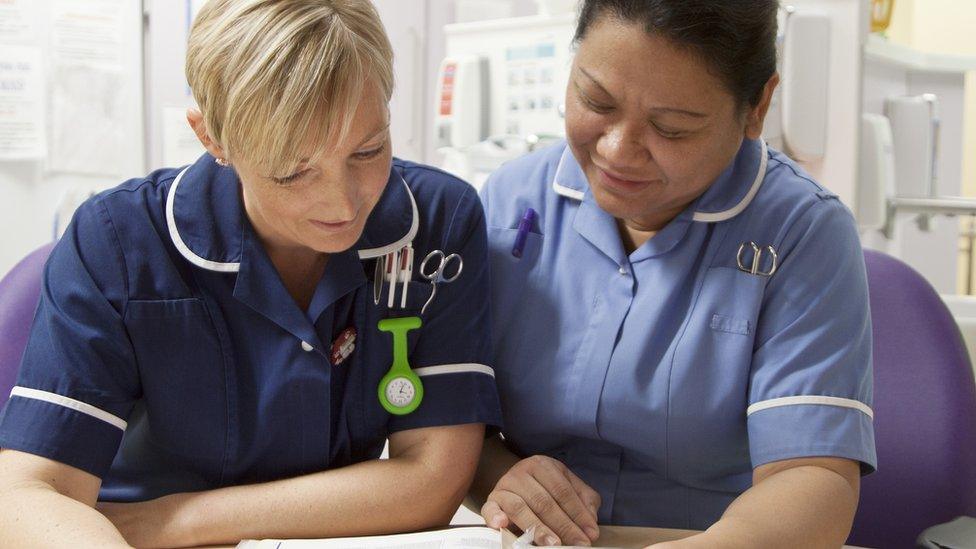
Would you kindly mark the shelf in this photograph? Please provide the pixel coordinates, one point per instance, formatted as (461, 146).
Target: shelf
(880, 50)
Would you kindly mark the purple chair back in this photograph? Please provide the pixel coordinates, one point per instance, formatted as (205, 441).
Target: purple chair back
(20, 291)
(924, 411)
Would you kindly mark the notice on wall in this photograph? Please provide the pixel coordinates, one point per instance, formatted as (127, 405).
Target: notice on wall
(21, 103)
(15, 22)
(88, 32)
(87, 86)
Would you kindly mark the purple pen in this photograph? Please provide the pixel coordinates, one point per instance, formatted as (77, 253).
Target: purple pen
(525, 225)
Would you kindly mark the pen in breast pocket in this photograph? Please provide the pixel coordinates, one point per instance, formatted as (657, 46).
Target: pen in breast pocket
(525, 225)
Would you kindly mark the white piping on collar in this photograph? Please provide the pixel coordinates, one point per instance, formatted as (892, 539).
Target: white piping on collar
(407, 238)
(185, 250)
(193, 258)
(703, 217)
(746, 200)
(563, 190)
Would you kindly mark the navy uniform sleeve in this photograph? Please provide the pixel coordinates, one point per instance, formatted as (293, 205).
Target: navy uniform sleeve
(451, 354)
(810, 385)
(78, 379)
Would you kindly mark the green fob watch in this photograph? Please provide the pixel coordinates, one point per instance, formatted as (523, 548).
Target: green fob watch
(400, 390)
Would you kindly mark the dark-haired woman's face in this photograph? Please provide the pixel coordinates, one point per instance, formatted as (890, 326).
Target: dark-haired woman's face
(648, 122)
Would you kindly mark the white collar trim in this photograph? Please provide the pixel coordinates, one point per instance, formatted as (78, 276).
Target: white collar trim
(181, 246)
(746, 200)
(407, 238)
(220, 267)
(703, 217)
(563, 190)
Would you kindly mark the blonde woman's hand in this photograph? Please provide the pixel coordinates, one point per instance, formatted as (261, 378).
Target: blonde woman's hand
(542, 492)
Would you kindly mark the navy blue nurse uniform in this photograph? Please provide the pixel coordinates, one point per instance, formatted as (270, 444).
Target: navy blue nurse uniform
(166, 355)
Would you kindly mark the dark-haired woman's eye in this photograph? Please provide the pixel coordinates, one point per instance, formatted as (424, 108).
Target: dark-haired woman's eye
(596, 107)
(288, 179)
(668, 134)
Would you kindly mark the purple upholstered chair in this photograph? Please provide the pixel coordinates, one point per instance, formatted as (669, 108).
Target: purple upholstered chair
(20, 291)
(924, 412)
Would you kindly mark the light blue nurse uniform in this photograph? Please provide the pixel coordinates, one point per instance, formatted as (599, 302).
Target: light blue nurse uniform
(664, 376)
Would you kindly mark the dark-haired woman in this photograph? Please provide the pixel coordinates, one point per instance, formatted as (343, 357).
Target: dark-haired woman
(684, 340)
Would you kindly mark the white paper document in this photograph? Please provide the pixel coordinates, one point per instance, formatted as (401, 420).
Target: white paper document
(463, 537)
(22, 134)
(474, 537)
(15, 22)
(88, 32)
(87, 92)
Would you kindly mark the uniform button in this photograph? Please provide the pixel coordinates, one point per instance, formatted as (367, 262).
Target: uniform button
(623, 270)
(307, 347)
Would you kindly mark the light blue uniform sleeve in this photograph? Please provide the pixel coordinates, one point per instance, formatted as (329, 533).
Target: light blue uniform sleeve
(78, 379)
(810, 384)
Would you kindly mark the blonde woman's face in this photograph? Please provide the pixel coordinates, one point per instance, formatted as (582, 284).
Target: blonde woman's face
(324, 203)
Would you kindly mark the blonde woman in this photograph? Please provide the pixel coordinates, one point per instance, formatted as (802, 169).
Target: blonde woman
(205, 364)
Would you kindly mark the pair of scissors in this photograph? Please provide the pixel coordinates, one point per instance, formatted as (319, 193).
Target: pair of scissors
(437, 275)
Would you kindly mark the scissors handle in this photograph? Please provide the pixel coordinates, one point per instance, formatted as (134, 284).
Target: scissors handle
(446, 263)
(425, 272)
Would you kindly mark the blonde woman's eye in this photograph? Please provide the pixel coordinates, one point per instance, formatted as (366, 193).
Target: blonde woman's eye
(372, 153)
(290, 178)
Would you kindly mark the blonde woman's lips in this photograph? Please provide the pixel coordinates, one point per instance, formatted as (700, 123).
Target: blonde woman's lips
(333, 227)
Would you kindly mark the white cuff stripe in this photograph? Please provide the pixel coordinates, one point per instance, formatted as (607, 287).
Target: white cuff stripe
(71, 403)
(455, 369)
(821, 400)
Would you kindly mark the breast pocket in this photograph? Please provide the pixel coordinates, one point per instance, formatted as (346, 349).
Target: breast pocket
(710, 378)
(183, 378)
(722, 329)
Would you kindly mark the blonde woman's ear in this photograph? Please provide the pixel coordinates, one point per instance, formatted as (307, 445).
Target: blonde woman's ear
(195, 118)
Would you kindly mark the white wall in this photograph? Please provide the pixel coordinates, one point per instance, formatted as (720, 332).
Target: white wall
(29, 190)
(944, 26)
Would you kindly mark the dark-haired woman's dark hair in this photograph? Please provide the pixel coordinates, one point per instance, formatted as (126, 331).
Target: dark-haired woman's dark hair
(735, 38)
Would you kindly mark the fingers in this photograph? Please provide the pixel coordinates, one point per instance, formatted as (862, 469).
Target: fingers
(590, 497)
(542, 492)
(493, 515)
(557, 483)
(522, 515)
(528, 502)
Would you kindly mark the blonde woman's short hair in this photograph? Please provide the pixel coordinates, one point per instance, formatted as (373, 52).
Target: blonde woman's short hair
(271, 76)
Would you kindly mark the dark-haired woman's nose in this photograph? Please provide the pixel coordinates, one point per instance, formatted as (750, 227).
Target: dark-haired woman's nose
(623, 148)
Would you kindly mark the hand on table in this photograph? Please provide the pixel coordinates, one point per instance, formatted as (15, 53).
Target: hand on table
(542, 492)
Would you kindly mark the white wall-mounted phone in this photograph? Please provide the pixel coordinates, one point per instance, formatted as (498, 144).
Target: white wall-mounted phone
(915, 126)
(806, 75)
(876, 180)
(797, 120)
(463, 101)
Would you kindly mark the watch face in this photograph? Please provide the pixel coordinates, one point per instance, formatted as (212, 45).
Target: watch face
(400, 391)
